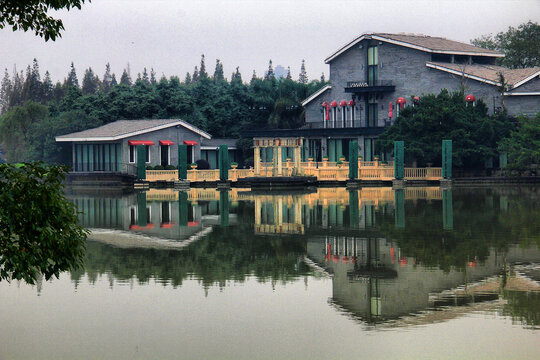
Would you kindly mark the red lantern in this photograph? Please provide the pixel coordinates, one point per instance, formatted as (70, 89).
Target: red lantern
(401, 101)
(343, 103)
(390, 107)
(352, 103)
(327, 108)
(416, 99)
(470, 98)
(333, 104)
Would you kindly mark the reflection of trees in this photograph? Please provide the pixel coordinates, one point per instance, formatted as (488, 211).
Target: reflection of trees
(523, 307)
(230, 253)
(482, 219)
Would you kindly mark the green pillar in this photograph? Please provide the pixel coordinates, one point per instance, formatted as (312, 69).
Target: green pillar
(447, 159)
(332, 150)
(224, 208)
(223, 162)
(339, 148)
(448, 210)
(354, 212)
(399, 205)
(399, 159)
(141, 209)
(182, 208)
(353, 159)
(182, 162)
(90, 157)
(141, 162)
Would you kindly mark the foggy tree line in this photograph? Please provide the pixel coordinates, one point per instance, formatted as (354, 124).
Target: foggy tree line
(35, 110)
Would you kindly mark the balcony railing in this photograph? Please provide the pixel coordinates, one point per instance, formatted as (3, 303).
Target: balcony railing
(340, 124)
(365, 86)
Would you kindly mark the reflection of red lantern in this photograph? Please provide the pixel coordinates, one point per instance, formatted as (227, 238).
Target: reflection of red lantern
(403, 261)
(345, 260)
(390, 113)
(352, 103)
(392, 253)
(336, 258)
(333, 104)
(472, 264)
(343, 103)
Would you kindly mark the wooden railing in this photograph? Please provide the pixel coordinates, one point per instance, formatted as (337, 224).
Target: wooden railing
(329, 172)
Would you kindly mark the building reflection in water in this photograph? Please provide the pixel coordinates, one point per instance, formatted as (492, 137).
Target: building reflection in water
(390, 253)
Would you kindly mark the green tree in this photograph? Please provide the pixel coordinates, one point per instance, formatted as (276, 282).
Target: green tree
(32, 15)
(521, 46)
(523, 145)
(106, 84)
(125, 79)
(474, 133)
(39, 234)
(218, 72)
(270, 72)
(202, 72)
(47, 88)
(303, 78)
(5, 92)
(90, 84)
(15, 127)
(71, 80)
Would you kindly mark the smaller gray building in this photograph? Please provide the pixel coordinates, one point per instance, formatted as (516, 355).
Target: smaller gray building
(112, 147)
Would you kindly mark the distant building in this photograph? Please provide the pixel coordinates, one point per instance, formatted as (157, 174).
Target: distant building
(375, 75)
(112, 147)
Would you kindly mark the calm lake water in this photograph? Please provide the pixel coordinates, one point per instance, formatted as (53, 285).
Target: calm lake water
(374, 273)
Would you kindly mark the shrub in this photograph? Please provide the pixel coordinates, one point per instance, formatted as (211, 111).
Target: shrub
(149, 167)
(170, 167)
(203, 164)
(159, 167)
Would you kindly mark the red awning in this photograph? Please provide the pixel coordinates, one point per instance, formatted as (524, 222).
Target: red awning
(140, 142)
(190, 142)
(192, 223)
(167, 225)
(470, 98)
(165, 142)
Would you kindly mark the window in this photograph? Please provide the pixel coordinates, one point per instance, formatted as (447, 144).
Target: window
(373, 63)
(132, 155)
(164, 154)
(147, 153)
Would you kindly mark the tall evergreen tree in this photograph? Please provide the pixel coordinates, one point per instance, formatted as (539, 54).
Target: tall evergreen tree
(195, 76)
(323, 79)
(253, 77)
(289, 77)
(47, 87)
(58, 92)
(187, 79)
(125, 79)
(270, 73)
(303, 78)
(145, 77)
(17, 97)
(90, 84)
(5, 92)
(218, 72)
(153, 80)
(113, 81)
(107, 79)
(72, 78)
(236, 76)
(202, 72)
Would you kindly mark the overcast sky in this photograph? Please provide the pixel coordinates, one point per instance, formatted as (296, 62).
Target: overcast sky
(170, 36)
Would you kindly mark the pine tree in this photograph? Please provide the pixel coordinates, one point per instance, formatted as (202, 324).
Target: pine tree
(202, 72)
(270, 73)
(218, 72)
(253, 77)
(289, 77)
(47, 87)
(125, 79)
(303, 78)
(195, 76)
(5, 92)
(187, 79)
(113, 81)
(72, 78)
(58, 92)
(90, 84)
(323, 79)
(145, 77)
(107, 79)
(236, 76)
(17, 97)
(153, 80)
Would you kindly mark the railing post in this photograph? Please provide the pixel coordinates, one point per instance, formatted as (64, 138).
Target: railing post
(141, 162)
(447, 159)
(182, 162)
(448, 211)
(257, 159)
(223, 162)
(353, 159)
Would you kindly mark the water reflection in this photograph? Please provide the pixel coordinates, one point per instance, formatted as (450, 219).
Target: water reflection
(389, 253)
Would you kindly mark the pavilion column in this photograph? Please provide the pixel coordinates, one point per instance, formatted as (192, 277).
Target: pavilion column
(297, 155)
(279, 161)
(258, 207)
(257, 159)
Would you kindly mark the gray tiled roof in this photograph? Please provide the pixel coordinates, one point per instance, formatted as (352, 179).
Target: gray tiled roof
(437, 43)
(491, 72)
(122, 128)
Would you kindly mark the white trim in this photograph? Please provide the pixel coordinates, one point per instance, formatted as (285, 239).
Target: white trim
(315, 94)
(134, 133)
(537, 93)
(134, 154)
(526, 80)
(460, 73)
(208, 147)
(148, 154)
(405, 44)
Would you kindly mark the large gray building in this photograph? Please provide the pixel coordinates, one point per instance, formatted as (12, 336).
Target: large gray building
(374, 76)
